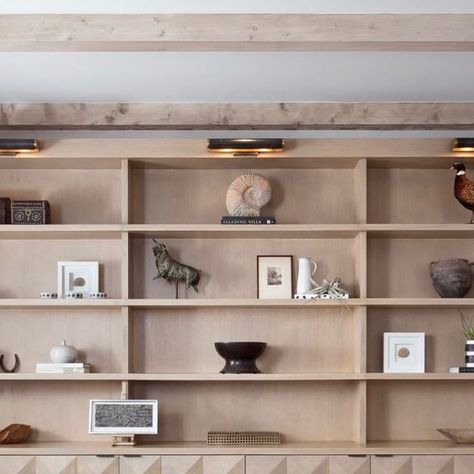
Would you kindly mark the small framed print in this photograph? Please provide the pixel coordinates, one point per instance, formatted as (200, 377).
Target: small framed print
(274, 276)
(123, 417)
(78, 277)
(404, 352)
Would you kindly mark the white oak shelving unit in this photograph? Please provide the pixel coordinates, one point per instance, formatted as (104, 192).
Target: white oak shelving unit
(374, 212)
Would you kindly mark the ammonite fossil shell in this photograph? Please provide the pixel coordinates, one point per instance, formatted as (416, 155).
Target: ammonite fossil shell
(247, 194)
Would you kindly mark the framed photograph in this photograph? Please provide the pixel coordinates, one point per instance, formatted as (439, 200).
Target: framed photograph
(123, 417)
(274, 276)
(404, 352)
(78, 277)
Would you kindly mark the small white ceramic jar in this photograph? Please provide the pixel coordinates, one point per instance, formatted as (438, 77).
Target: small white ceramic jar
(63, 354)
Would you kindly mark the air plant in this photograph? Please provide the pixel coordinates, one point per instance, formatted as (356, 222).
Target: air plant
(467, 326)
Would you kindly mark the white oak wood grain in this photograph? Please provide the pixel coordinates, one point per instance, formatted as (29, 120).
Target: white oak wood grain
(236, 32)
(234, 116)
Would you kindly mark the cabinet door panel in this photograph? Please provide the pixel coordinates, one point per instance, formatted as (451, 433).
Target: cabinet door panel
(391, 465)
(181, 465)
(307, 464)
(349, 465)
(223, 465)
(17, 465)
(463, 464)
(433, 464)
(140, 465)
(202, 465)
(97, 465)
(266, 465)
(56, 465)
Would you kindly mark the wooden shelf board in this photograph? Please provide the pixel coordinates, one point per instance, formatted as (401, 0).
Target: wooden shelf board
(201, 448)
(220, 231)
(94, 377)
(419, 302)
(217, 377)
(239, 303)
(178, 377)
(243, 303)
(61, 231)
(421, 377)
(29, 303)
(420, 231)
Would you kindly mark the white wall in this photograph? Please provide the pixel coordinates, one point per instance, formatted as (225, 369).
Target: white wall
(236, 77)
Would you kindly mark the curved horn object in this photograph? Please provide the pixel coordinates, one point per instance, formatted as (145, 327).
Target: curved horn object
(247, 194)
(15, 367)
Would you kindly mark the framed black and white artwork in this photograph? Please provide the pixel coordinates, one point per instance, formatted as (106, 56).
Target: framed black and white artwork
(274, 276)
(123, 417)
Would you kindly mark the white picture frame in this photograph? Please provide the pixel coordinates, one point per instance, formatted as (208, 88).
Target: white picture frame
(78, 277)
(404, 352)
(102, 412)
(274, 276)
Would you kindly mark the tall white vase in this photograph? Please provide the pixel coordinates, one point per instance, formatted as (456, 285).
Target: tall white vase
(306, 269)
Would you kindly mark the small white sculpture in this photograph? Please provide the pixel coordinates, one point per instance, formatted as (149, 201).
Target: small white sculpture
(310, 289)
(247, 194)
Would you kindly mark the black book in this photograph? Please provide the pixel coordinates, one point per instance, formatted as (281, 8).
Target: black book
(248, 220)
(461, 370)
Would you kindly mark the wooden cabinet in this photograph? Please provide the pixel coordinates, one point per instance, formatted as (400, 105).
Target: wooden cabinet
(140, 465)
(17, 465)
(307, 465)
(423, 465)
(202, 465)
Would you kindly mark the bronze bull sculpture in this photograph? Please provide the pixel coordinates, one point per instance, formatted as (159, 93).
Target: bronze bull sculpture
(173, 271)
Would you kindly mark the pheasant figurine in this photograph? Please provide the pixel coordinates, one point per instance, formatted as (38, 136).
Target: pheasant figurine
(463, 188)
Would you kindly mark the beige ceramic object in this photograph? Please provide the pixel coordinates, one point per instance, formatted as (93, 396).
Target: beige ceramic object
(247, 194)
(63, 354)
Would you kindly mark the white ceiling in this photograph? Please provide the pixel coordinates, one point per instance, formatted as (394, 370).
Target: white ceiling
(240, 6)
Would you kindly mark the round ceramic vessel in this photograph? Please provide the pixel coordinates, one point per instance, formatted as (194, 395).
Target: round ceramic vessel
(452, 278)
(63, 354)
(240, 357)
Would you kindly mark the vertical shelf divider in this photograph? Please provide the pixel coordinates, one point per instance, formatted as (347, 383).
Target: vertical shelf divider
(126, 312)
(360, 313)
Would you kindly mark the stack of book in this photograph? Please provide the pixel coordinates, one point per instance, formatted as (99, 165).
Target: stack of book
(76, 368)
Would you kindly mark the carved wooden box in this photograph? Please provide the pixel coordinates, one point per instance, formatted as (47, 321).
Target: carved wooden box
(30, 212)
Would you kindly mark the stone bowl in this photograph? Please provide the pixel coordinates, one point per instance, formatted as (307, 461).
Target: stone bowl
(240, 357)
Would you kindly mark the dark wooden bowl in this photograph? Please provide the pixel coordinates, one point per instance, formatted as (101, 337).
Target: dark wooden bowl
(240, 357)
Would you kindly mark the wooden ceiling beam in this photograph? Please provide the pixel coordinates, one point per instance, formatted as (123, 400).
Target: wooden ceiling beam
(237, 32)
(235, 116)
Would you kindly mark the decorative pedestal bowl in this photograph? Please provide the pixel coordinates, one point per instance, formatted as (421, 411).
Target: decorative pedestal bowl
(240, 357)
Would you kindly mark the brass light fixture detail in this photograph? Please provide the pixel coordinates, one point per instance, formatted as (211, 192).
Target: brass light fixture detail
(463, 144)
(245, 146)
(13, 146)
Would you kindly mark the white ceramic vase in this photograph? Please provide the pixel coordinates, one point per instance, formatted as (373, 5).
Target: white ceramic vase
(63, 354)
(306, 269)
